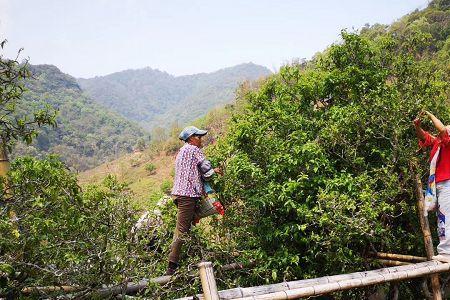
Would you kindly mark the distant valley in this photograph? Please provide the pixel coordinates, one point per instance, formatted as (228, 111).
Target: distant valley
(157, 99)
(102, 118)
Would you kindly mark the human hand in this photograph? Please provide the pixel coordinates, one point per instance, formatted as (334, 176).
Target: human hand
(218, 171)
(418, 120)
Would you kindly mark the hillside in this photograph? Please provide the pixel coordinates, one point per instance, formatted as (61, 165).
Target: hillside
(154, 98)
(87, 133)
(147, 185)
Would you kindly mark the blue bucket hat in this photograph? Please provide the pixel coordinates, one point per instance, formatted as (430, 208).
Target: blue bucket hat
(189, 131)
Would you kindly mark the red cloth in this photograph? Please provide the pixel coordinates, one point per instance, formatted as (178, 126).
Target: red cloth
(443, 163)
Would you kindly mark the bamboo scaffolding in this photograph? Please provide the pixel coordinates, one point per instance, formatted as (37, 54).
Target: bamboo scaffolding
(208, 281)
(50, 289)
(129, 289)
(328, 284)
(399, 257)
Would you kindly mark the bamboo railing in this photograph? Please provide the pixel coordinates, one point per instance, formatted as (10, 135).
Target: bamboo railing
(329, 284)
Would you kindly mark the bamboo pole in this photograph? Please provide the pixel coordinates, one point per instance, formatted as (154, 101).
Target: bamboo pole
(208, 281)
(4, 168)
(394, 274)
(400, 257)
(392, 263)
(428, 241)
(50, 289)
(389, 274)
(237, 266)
(130, 288)
(4, 161)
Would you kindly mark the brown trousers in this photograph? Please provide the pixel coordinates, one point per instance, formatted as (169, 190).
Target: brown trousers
(185, 216)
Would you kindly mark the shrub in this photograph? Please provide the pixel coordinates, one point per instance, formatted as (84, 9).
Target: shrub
(317, 163)
(62, 236)
(150, 168)
(166, 186)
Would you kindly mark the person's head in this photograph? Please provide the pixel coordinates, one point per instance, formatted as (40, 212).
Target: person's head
(192, 135)
(195, 140)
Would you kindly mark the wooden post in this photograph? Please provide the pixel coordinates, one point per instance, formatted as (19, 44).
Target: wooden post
(435, 285)
(208, 281)
(4, 161)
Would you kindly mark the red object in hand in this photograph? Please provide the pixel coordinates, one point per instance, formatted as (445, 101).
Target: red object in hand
(417, 121)
(218, 206)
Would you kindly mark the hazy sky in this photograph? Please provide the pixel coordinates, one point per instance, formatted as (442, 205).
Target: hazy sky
(86, 38)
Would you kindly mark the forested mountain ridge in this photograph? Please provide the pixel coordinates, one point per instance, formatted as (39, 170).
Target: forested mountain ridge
(154, 98)
(87, 134)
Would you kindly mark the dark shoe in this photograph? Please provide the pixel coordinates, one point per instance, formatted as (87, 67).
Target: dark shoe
(171, 269)
(170, 272)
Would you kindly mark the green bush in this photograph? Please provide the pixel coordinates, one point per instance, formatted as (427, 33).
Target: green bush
(166, 186)
(62, 236)
(151, 168)
(317, 163)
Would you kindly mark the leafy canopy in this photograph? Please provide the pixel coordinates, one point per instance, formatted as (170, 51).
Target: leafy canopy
(14, 127)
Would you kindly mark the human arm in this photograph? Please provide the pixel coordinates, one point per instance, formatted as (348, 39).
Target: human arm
(425, 138)
(436, 122)
(207, 170)
(205, 166)
(420, 133)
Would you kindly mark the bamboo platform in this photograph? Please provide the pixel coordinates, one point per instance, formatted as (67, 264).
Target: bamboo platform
(329, 284)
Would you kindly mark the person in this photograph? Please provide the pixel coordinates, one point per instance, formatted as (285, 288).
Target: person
(190, 166)
(437, 196)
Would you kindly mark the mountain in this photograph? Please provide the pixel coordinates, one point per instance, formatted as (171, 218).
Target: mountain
(87, 133)
(155, 98)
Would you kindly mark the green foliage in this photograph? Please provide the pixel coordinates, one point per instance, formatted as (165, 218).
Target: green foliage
(12, 125)
(317, 163)
(140, 145)
(60, 235)
(166, 186)
(154, 98)
(87, 134)
(151, 168)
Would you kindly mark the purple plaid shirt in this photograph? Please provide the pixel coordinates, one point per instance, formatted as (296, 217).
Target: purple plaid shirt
(187, 176)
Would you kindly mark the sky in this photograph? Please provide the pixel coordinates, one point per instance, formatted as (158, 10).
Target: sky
(87, 38)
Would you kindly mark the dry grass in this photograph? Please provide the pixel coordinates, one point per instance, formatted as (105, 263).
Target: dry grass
(131, 169)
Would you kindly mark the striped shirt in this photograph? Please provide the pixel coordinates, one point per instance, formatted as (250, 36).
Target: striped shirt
(187, 175)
